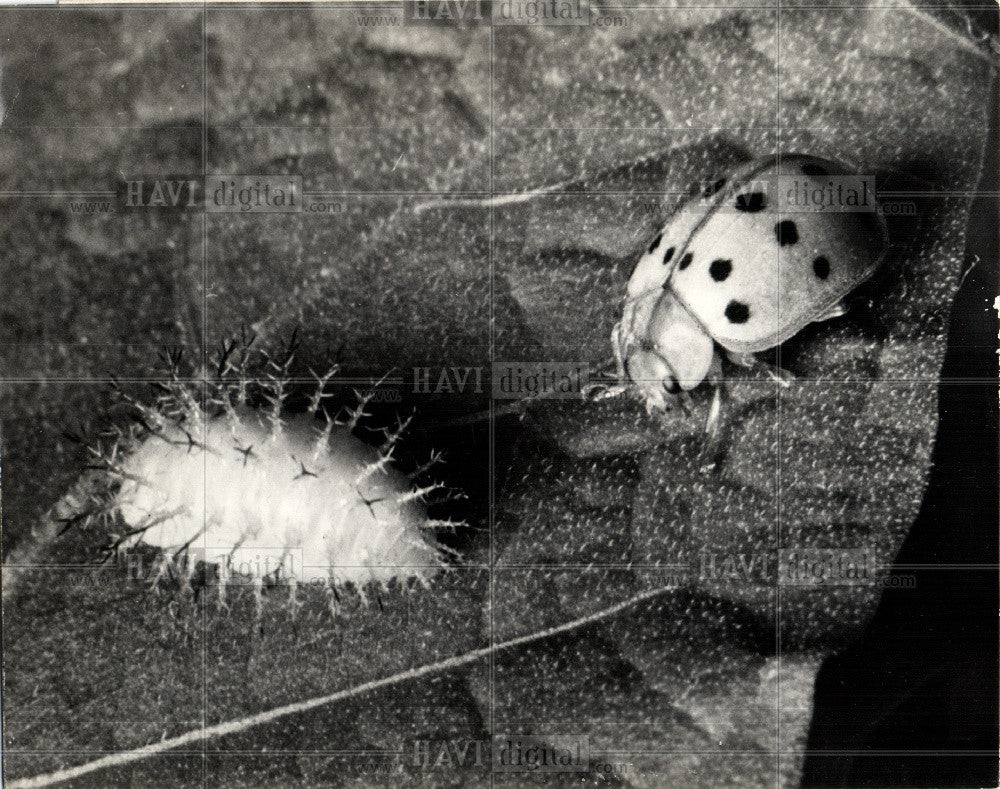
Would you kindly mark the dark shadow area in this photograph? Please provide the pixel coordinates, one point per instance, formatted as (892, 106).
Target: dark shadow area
(913, 702)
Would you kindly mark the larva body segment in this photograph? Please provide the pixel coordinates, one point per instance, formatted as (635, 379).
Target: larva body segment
(214, 473)
(300, 502)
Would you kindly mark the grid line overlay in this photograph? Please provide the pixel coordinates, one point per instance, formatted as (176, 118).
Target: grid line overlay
(196, 742)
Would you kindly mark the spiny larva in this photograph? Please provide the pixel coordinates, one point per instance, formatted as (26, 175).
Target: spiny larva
(760, 256)
(265, 496)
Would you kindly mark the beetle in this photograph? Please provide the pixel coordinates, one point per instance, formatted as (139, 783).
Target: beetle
(775, 246)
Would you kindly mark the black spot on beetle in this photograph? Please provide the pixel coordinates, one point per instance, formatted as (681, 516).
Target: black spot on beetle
(685, 261)
(737, 312)
(655, 243)
(751, 202)
(713, 188)
(720, 269)
(668, 255)
(821, 267)
(814, 170)
(786, 232)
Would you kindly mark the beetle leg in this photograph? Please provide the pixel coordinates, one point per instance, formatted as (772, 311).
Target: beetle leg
(595, 391)
(777, 374)
(835, 311)
(747, 360)
(718, 383)
(715, 371)
(616, 337)
(714, 411)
